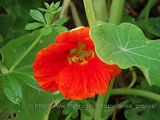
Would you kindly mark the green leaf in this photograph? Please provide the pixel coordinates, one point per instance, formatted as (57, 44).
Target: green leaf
(25, 74)
(46, 31)
(59, 22)
(57, 5)
(60, 29)
(12, 89)
(48, 18)
(142, 109)
(32, 26)
(152, 25)
(12, 51)
(36, 105)
(35, 14)
(46, 5)
(127, 46)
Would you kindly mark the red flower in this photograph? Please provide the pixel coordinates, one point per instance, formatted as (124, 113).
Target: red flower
(72, 66)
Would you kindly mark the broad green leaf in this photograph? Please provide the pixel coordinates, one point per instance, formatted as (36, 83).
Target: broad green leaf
(12, 51)
(35, 14)
(127, 46)
(12, 88)
(34, 25)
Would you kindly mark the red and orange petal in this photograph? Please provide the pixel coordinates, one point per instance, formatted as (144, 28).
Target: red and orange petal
(77, 81)
(84, 81)
(80, 34)
(49, 62)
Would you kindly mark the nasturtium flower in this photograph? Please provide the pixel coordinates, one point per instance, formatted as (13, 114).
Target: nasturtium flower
(71, 66)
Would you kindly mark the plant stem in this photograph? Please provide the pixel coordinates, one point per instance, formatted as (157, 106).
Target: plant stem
(101, 11)
(75, 15)
(90, 12)
(26, 53)
(65, 7)
(116, 11)
(100, 102)
(134, 78)
(136, 92)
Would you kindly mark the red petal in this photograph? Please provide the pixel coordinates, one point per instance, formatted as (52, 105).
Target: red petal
(49, 62)
(83, 81)
(76, 35)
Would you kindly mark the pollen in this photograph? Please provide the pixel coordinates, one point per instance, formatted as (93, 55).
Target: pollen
(80, 54)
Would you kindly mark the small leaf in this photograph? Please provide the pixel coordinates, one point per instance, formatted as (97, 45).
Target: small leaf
(42, 9)
(35, 14)
(60, 29)
(57, 4)
(126, 46)
(46, 31)
(32, 26)
(59, 22)
(12, 89)
(48, 18)
(46, 5)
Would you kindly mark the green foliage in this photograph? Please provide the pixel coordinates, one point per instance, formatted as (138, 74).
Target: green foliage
(127, 46)
(45, 21)
(12, 88)
(14, 15)
(143, 109)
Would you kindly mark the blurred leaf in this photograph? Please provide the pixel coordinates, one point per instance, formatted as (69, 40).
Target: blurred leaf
(60, 29)
(12, 88)
(60, 21)
(36, 106)
(25, 74)
(34, 25)
(143, 109)
(46, 5)
(46, 30)
(5, 103)
(15, 48)
(152, 25)
(48, 18)
(126, 46)
(1, 38)
(35, 14)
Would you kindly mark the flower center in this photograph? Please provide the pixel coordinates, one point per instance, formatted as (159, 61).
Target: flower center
(80, 54)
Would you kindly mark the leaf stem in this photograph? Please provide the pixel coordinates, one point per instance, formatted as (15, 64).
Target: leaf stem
(90, 12)
(116, 11)
(134, 78)
(26, 53)
(136, 92)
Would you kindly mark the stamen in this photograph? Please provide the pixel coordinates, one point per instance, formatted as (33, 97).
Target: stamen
(80, 54)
